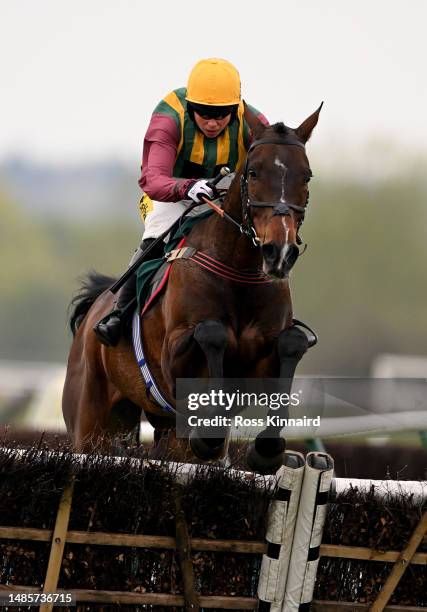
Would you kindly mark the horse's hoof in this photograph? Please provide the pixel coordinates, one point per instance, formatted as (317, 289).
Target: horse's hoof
(207, 449)
(264, 461)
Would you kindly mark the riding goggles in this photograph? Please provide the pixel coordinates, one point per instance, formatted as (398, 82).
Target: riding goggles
(211, 112)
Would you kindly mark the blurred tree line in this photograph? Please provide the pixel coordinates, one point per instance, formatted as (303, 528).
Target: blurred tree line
(42, 260)
(361, 284)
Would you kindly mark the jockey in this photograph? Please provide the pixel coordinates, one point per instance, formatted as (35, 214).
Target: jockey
(193, 133)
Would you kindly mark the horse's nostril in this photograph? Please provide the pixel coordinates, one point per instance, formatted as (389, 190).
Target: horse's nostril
(291, 255)
(270, 252)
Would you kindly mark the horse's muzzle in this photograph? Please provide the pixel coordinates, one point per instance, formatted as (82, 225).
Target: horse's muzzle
(278, 261)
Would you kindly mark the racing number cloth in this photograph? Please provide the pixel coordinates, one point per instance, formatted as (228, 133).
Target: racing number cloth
(145, 205)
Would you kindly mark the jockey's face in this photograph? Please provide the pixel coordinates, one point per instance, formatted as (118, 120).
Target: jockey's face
(211, 127)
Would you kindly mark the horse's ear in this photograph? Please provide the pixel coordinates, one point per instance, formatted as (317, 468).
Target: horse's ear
(307, 126)
(256, 125)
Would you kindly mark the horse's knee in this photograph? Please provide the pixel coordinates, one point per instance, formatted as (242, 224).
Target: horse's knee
(212, 338)
(211, 335)
(177, 357)
(292, 344)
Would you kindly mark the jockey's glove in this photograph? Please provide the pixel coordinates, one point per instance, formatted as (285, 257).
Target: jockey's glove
(198, 190)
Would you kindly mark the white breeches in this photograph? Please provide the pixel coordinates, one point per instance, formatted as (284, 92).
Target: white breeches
(164, 214)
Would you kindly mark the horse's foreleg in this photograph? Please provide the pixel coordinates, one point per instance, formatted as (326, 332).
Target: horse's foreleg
(212, 337)
(91, 431)
(267, 452)
(85, 408)
(181, 352)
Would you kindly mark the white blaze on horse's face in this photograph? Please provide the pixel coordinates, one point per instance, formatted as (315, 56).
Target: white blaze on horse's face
(283, 168)
(279, 234)
(285, 247)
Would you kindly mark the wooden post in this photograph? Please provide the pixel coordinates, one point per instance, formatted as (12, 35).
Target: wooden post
(191, 597)
(400, 566)
(58, 543)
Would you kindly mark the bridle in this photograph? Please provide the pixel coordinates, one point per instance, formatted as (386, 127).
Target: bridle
(282, 209)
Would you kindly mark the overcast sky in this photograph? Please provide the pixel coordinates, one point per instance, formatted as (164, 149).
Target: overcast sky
(79, 79)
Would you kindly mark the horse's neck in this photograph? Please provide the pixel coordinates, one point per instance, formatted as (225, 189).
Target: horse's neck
(223, 240)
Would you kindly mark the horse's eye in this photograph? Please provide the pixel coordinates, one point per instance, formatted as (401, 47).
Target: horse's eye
(252, 173)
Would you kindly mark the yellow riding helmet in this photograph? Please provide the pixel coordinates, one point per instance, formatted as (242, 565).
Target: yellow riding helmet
(214, 82)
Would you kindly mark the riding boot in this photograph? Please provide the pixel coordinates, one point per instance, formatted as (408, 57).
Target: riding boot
(156, 253)
(109, 329)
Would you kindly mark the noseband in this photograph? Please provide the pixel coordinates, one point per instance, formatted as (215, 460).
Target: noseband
(281, 209)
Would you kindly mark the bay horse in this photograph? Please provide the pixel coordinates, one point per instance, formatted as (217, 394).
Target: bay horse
(205, 325)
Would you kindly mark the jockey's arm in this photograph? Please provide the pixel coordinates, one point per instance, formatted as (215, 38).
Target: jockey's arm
(158, 160)
(159, 155)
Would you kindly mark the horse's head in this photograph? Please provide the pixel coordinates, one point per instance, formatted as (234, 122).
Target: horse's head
(274, 189)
